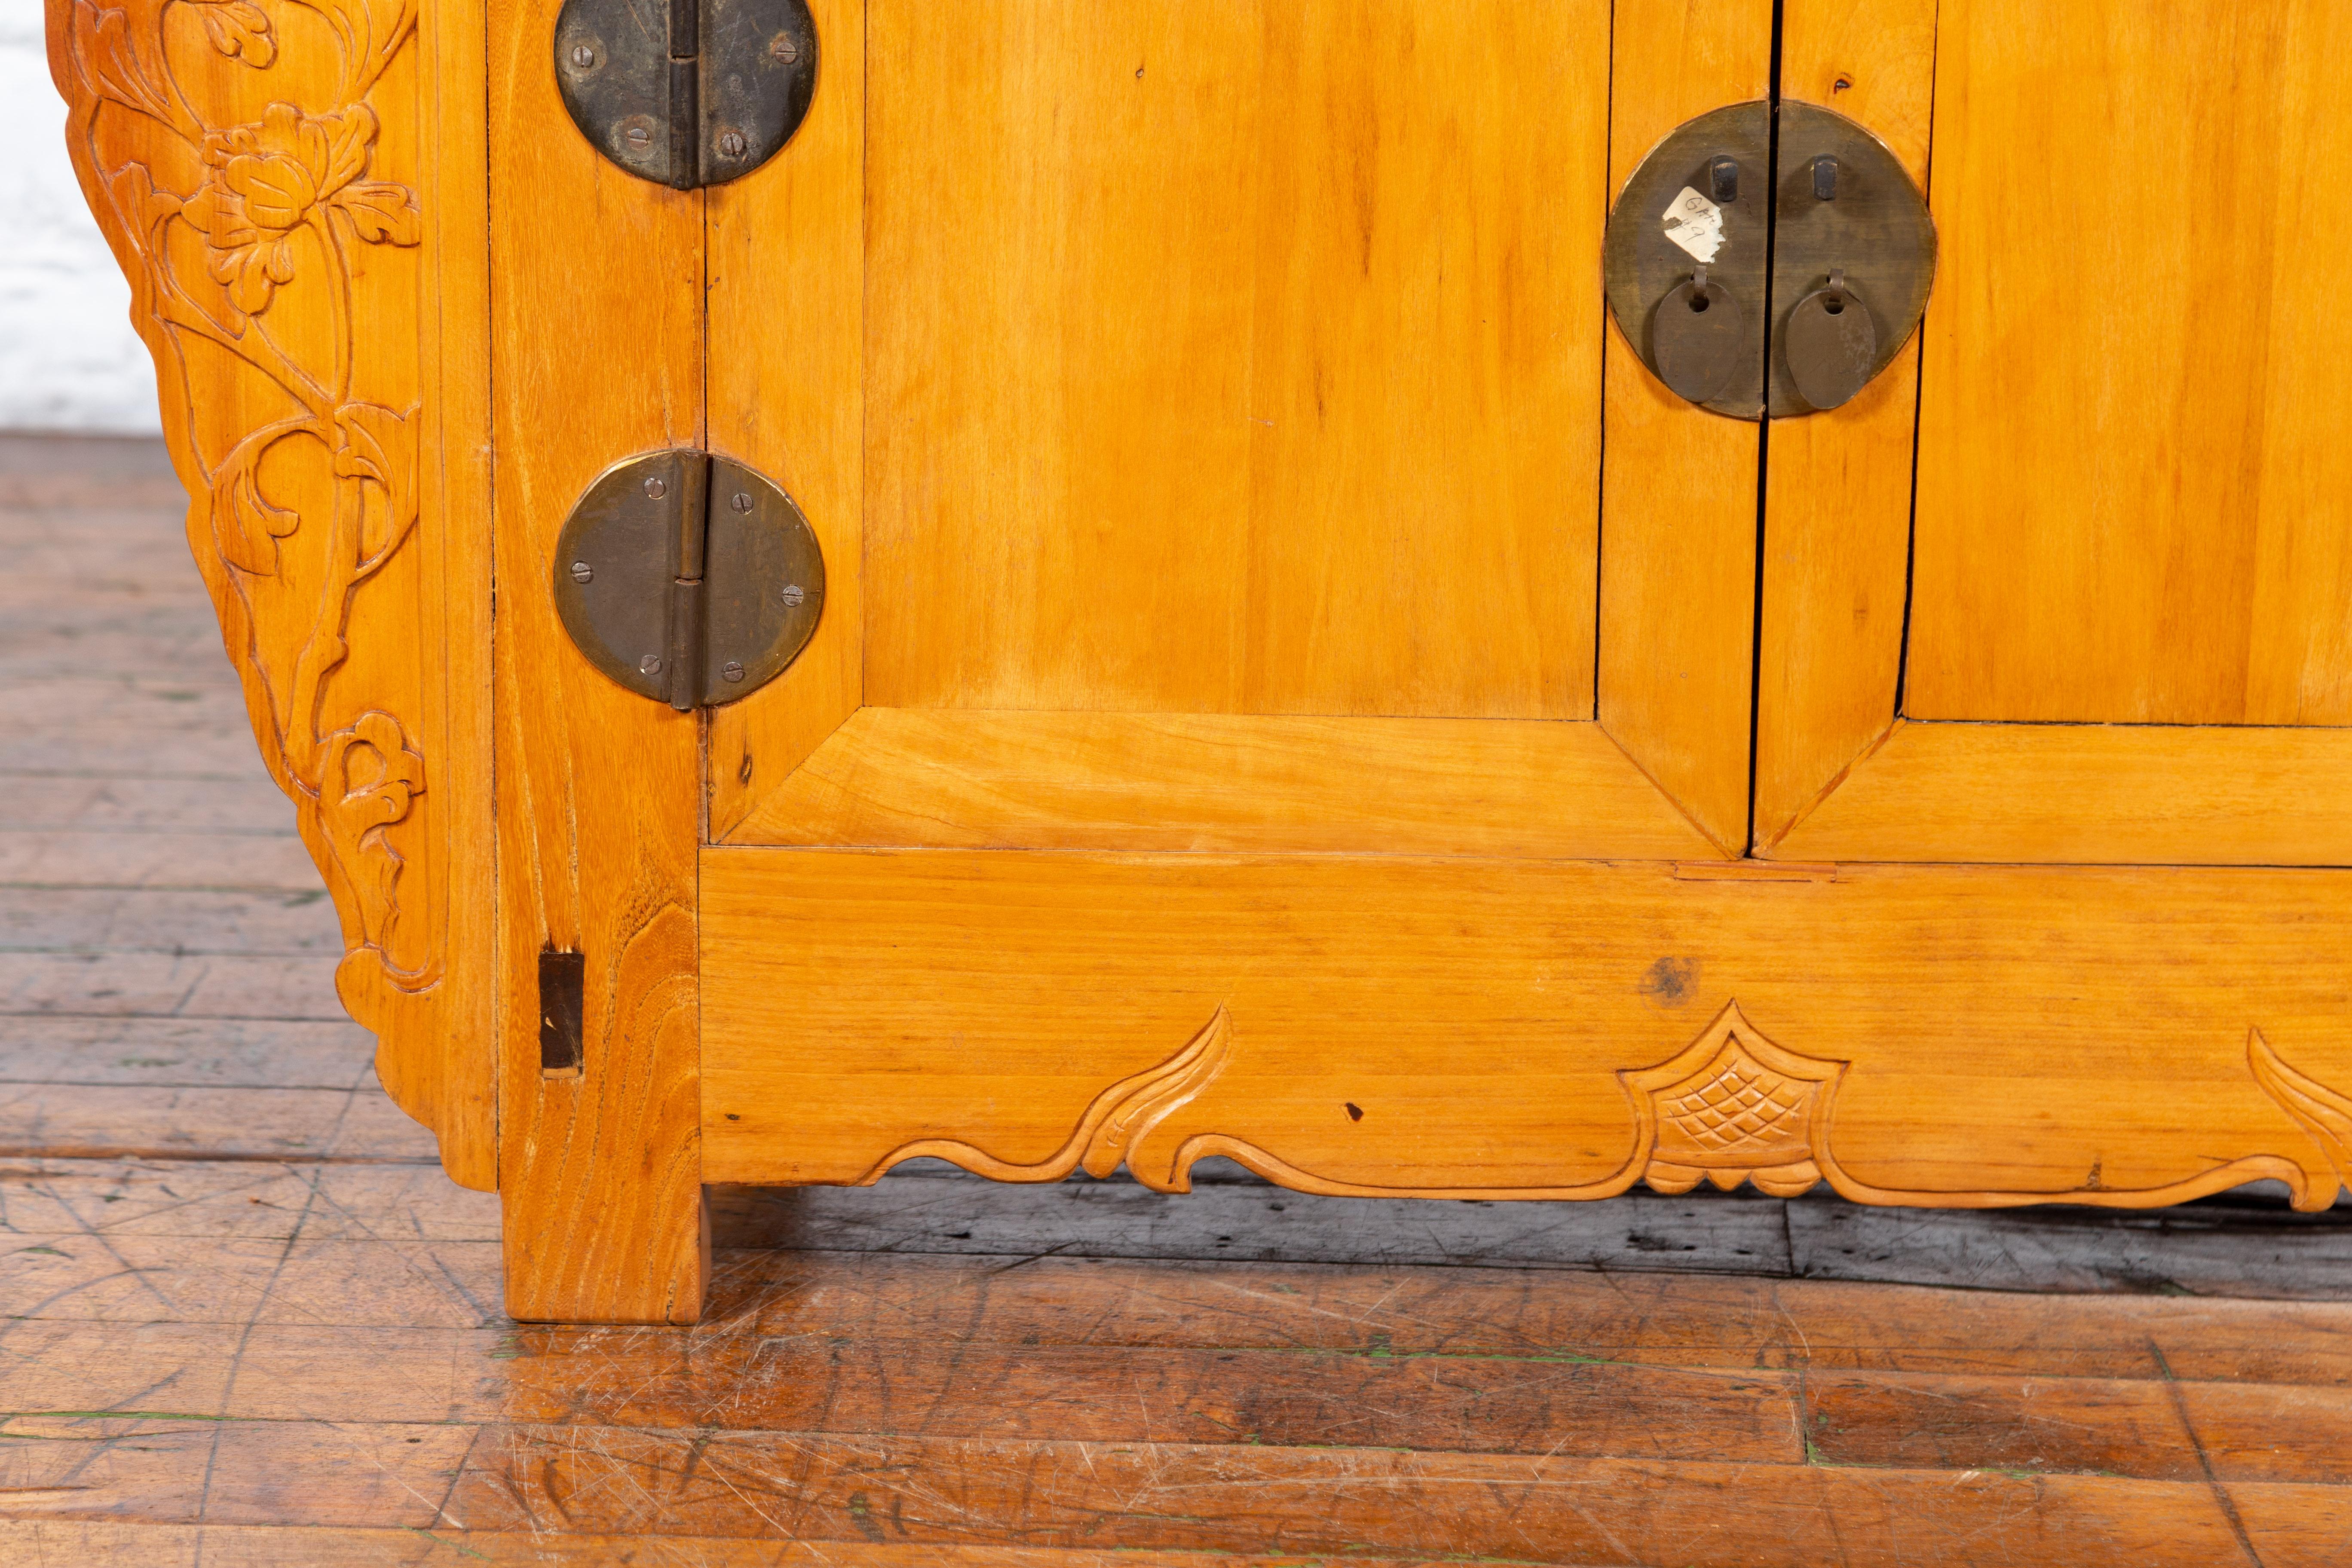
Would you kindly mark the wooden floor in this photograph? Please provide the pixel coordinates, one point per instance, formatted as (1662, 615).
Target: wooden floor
(245, 1321)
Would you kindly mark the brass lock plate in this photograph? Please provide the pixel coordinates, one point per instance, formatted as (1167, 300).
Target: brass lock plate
(689, 578)
(687, 93)
(1793, 236)
(1699, 199)
(1860, 214)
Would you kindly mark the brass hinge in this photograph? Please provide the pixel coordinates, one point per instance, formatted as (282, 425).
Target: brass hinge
(689, 578)
(687, 93)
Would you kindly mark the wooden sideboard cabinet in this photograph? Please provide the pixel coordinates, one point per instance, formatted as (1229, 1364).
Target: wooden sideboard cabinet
(1289, 683)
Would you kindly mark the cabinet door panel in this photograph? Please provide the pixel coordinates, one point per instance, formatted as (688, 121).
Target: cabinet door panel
(2135, 495)
(1234, 358)
(1217, 369)
(2130, 501)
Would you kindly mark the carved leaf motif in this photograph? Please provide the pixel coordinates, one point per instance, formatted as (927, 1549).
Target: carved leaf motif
(2324, 1113)
(371, 31)
(369, 778)
(289, 191)
(379, 447)
(144, 207)
(1139, 1104)
(119, 50)
(1110, 1127)
(247, 524)
(382, 213)
(239, 30)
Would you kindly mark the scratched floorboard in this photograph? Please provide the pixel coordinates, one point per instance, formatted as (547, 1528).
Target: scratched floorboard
(245, 1322)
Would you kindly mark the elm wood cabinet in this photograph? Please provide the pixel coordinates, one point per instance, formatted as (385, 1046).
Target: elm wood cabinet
(1291, 686)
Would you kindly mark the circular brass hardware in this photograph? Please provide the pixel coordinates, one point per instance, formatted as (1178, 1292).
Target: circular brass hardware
(753, 605)
(1769, 227)
(1848, 212)
(704, 108)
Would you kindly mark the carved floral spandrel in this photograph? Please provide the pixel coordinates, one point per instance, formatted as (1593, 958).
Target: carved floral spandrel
(244, 236)
(1730, 1107)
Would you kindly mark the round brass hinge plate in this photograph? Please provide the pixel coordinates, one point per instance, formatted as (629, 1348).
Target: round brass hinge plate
(687, 93)
(630, 599)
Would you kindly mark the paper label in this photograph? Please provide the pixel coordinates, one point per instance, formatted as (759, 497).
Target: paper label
(1694, 223)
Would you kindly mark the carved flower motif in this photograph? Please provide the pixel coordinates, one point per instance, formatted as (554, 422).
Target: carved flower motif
(264, 182)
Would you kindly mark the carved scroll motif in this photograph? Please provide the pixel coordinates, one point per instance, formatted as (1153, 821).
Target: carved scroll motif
(244, 235)
(1730, 1107)
(2322, 1113)
(1113, 1124)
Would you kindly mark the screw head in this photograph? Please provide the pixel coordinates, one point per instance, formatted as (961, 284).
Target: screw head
(656, 489)
(732, 144)
(785, 48)
(582, 572)
(583, 56)
(793, 593)
(732, 670)
(741, 502)
(649, 665)
(638, 136)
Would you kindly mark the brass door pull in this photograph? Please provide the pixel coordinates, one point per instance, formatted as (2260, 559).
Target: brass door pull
(1696, 338)
(1789, 310)
(1831, 344)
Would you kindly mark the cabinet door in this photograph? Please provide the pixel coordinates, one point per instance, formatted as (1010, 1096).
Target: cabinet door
(1201, 410)
(2124, 556)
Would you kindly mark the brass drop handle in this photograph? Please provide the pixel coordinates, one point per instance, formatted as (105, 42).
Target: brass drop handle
(1830, 342)
(1696, 338)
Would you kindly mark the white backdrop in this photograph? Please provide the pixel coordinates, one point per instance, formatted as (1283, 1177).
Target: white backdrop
(68, 360)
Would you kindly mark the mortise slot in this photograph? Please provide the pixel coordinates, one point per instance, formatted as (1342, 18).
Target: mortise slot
(562, 979)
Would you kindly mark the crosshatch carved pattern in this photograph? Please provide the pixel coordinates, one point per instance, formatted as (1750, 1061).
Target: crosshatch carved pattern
(1730, 1107)
(1733, 1107)
(1742, 1108)
(246, 237)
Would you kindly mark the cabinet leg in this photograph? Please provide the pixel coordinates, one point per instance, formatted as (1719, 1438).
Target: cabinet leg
(571, 1260)
(599, 1167)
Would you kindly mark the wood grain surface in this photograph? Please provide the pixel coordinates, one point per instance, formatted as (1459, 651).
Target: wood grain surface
(2114, 793)
(785, 319)
(1510, 1029)
(1234, 359)
(298, 207)
(1678, 494)
(2135, 511)
(1232, 440)
(1837, 518)
(960, 778)
(600, 799)
(2125, 518)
